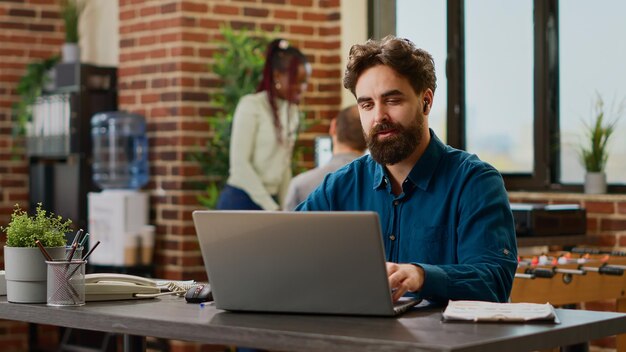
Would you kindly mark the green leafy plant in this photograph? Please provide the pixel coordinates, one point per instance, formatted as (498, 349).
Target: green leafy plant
(239, 65)
(593, 154)
(23, 230)
(70, 12)
(29, 88)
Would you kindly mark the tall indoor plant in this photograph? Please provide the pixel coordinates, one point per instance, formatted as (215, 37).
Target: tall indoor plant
(594, 153)
(239, 65)
(24, 263)
(70, 13)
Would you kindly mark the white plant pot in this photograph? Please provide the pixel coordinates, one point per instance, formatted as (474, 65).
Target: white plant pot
(70, 52)
(595, 183)
(26, 273)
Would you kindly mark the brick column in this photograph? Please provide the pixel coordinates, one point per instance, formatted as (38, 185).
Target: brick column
(29, 30)
(165, 52)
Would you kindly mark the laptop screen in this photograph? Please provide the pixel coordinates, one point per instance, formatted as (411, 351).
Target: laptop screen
(305, 262)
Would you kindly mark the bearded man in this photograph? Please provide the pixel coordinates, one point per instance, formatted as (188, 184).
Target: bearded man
(447, 226)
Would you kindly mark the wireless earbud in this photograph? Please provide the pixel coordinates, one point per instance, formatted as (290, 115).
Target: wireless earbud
(425, 105)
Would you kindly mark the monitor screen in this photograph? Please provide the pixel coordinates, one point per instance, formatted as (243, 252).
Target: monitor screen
(323, 150)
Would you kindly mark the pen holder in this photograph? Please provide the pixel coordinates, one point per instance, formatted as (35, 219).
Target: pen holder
(66, 283)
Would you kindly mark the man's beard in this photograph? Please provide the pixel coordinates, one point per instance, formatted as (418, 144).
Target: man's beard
(393, 149)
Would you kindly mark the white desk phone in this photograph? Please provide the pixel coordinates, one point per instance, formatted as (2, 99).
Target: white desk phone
(110, 286)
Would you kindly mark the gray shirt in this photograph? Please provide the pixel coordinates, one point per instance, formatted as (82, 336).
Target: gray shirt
(303, 184)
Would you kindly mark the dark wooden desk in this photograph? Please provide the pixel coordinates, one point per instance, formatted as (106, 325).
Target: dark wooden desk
(422, 330)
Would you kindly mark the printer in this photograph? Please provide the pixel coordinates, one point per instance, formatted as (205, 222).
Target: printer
(533, 220)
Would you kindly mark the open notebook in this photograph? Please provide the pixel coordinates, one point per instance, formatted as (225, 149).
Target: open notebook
(479, 311)
(296, 262)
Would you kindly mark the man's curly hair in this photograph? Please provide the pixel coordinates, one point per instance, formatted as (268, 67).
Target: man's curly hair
(400, 54)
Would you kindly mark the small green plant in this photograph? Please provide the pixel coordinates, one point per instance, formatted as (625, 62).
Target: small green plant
(70, 12)
(23, 230)
(593, 154)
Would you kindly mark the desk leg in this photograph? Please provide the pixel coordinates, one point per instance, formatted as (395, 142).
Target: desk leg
(620, 340)
(133, 343)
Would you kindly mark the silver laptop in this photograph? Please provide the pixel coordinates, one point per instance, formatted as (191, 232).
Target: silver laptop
(296, 262)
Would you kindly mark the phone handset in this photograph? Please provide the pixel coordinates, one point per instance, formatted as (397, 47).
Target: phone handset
(119, 278)
(112, 286)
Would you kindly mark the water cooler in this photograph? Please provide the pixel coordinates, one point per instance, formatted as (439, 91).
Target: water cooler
(119, 214)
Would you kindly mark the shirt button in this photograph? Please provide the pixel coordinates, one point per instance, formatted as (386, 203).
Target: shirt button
(392, 237)
(395, 203)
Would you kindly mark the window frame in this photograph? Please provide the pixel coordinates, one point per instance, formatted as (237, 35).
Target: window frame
(546, 165)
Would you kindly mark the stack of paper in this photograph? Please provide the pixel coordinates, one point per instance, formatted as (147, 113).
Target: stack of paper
(506, 312)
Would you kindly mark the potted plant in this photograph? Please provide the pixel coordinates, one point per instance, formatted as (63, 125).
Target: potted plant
(247, 50)
(70, 12)
(24, 263)
(594, 154)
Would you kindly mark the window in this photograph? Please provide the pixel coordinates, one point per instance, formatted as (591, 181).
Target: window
(521, 78)
(592, 59)
(427, 29)
(499, 83)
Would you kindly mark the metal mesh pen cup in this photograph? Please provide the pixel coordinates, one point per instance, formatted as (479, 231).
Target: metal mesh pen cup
(66, 283)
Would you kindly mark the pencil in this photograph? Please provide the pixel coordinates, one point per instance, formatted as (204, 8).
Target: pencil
(44, 251)
(70, 255)
(84, 258)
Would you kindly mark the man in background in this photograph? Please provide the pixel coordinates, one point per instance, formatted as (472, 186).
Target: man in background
(348, 144)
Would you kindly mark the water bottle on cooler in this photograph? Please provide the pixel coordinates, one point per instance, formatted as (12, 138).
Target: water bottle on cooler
(120, 150)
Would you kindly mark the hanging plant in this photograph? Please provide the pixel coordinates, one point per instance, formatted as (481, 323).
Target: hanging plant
(29, 88)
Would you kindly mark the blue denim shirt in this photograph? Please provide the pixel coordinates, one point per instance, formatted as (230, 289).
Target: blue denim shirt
(453, 219)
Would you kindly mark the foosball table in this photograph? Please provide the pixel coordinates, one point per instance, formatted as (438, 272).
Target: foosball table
(564, 278)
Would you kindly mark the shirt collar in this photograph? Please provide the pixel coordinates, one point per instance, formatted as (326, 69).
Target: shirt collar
(346, 157)
(422, 171)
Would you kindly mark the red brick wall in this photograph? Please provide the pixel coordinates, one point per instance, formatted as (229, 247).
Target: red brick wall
(606, 224)
(165, 50)
(606, 214)
(29, 30)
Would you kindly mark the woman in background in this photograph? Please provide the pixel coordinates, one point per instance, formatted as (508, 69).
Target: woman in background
(264, 131)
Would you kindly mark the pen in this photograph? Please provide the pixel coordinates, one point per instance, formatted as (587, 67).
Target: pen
(77, 236)
(85, 258)
(91, 250)
(82, 241)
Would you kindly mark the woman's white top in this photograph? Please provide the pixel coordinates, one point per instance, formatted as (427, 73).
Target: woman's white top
(260, 164)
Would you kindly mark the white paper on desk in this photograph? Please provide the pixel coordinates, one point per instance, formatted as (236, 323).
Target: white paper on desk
(507, 312)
